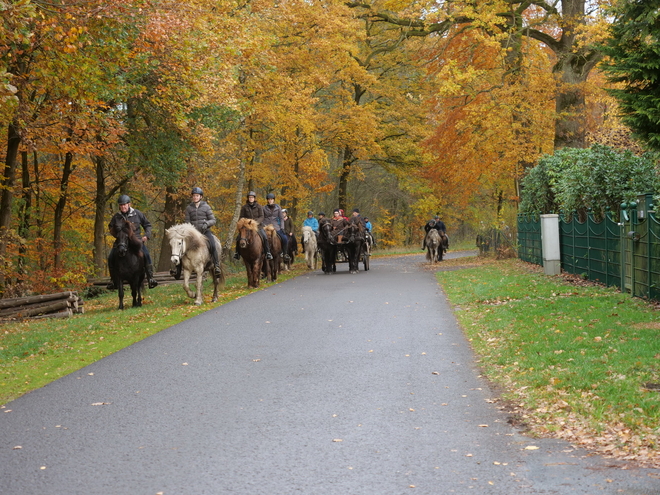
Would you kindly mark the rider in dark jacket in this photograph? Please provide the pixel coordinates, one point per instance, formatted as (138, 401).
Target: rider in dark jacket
(200, 215)
(254, 211)
(434, 223)
(139, 221)
(273, 216)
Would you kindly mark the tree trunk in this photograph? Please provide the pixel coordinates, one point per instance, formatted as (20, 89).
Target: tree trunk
(7, 183)
(99, 216)
(25, 213)
(229, 242)
(170, 214)
(570, 128)
(347, 161)
(59, 209)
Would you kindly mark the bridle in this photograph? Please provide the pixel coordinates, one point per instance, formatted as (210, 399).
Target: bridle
(122, 240)
(242, 239)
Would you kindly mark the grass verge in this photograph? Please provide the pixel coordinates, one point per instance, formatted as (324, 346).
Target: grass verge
(35, 353)
(577, 361)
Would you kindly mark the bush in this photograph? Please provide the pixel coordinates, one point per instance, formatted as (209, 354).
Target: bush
(598, 178)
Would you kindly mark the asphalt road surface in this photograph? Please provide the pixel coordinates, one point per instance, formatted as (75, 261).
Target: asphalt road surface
(325, 384)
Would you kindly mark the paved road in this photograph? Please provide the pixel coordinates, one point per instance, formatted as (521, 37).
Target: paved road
(326, 384)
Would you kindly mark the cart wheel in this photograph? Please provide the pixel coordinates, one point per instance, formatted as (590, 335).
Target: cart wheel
(365, 259)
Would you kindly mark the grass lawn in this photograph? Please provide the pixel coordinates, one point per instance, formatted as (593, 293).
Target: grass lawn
(575, 360)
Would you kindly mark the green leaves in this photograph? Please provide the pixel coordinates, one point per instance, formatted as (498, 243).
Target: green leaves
(598, 178)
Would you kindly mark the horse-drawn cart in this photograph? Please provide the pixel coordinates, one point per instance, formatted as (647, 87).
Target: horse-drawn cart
(365, 252)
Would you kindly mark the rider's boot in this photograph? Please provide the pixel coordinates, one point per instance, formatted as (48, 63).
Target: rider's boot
(237, 256)
(217, 270)
(150, 276)
(111, 286)
(268, 255)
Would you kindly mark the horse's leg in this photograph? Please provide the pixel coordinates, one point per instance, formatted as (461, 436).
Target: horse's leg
(216, 282)
(199, 270)
(135, 292)
(186, 283)
(254, 273)
(120, 290)
(139, 288)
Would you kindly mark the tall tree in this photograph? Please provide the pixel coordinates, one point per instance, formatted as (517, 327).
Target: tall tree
(562, 26)
(633, 48)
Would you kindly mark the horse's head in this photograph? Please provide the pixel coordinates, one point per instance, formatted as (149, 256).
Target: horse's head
(355, 228)
(246, 227)
(177, 243)
(124, 237)
(307, 234)
(325, 229)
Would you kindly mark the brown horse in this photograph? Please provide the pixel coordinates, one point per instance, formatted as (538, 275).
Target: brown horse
(250, 247)
(272, 267)
(354, 247)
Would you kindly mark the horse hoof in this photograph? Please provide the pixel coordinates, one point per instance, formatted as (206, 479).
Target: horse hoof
(198, 303)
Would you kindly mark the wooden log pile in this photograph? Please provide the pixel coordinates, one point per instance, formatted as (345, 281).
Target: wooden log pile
(59, 305)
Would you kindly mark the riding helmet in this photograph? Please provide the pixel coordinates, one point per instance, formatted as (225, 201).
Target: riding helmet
(123, 199)
(356, 210)
(270, 196)
(197, 190)
(310, 212)
(252, 193)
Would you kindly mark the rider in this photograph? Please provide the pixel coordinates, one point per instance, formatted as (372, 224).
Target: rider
(273, 216)
(139, 221)
(356, 213)
(339, 223)
(254, 211)
(311, 222)
(288, 229)
(434, 223)
(200, 215)
(367, 224)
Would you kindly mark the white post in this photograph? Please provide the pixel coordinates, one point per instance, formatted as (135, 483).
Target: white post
(550, 244)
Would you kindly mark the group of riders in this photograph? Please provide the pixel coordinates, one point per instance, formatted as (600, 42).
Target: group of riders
(200, 215)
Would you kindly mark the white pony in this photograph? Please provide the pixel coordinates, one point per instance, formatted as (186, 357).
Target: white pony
(190, 249)
(310, 247)
(433, 245)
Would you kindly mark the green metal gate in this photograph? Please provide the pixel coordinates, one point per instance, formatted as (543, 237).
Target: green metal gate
(529, 239)
(591, 249)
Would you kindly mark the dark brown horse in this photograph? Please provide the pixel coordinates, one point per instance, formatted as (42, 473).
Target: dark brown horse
(292, 250)
(327, 245)
(126, 262)
(250, 247)
(355, 235)
(272, 267)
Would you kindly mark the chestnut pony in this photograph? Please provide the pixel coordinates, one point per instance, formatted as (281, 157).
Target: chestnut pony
(251, 249)
(272, 267)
